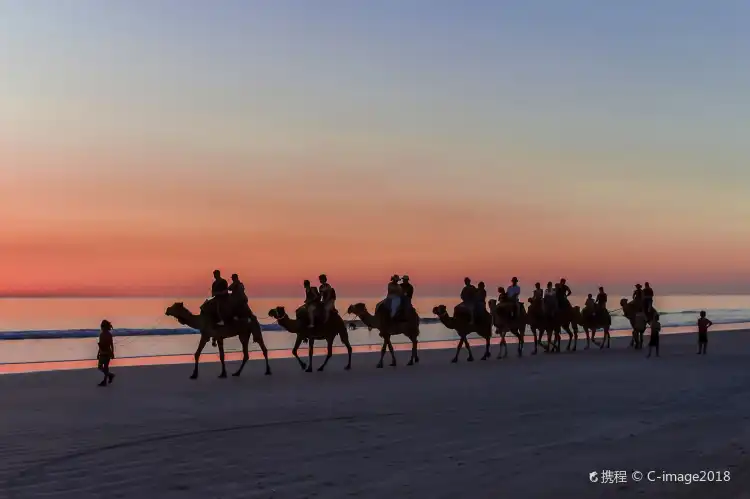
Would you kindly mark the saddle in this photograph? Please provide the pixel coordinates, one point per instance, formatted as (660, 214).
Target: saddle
(226, 309)
(303, 316)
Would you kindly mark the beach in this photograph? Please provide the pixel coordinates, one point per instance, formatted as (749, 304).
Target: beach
(529, 427)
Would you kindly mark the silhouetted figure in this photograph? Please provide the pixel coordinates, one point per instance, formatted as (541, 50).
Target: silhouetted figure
(237, 290)
(463, 328)
(388, 328)
(601, 300)
(551, 302)
(589, 308)
(638, 297)
(468, 298)
(481, 299)
(563, 292)
(407, 293)
(327, 297)
(703, 324)
(648, 298)
(653, 342)
(220, 294)
(640, 323)
(106, 352)
(514, 295)
(312, 300)
(538, 295)
(209, 329)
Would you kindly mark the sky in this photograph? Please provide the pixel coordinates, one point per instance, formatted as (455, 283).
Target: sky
(143, 144)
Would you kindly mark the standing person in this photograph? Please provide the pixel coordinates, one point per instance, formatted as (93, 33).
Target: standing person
(703, 325)
(648, 298)
(653, 342)
(327, 297)
(640, 322)
(106, 352)
(514, 294)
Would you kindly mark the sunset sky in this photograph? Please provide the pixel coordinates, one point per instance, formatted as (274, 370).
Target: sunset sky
(143, 144)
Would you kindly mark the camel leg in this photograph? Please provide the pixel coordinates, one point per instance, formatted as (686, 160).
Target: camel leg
(588, 337)
(393, 353)
(537, 340)
(344, 336)
(458, 349)
(593, 336)
(201, 345)
(521, 341)
(502, 346)
(245, 341)
(329, 353)
(310, 349)
(468, 349)
(382, 353)
(414, 357)
(295, 348)
(608, 335)
(220, 344)
(262, 344)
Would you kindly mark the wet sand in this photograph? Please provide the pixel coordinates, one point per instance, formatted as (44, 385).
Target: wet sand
(517, 428)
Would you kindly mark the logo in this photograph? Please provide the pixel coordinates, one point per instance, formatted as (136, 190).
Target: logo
(593, 477)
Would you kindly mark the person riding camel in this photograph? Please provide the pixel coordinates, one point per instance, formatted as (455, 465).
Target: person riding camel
(601, 302)
(550, 304)
(238, 296)
(514, 295)
(648, 298)
(312, 299)
(538, 295)
(468, 298)
(395, 295)
(503, 301)
(563, 294)
(481, 300)
(220, 295)
(638, 297)
(327, 297)
(589, 308)
(407, 293)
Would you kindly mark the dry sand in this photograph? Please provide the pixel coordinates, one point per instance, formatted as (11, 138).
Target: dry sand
(517, 428)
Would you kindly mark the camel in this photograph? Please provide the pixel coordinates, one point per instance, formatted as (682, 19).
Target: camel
(629, 309)
(541, 323)
(503, 324)
(203, 323)
(388, 328)
(565, 319)
(590, 323)
(335, 326)
(460, 323)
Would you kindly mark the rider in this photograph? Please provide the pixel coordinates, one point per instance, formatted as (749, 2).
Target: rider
(312, 299)
(550, 303)
(514, 295)
(238, 296)
(481, 299)
(327, 297)
(407, 290)
(601, 300)
(638, 297)
(395, 295)
(563, 292)
(468, 298)
(589, 307)
(538, 293)
(648, 298)
(220, 293)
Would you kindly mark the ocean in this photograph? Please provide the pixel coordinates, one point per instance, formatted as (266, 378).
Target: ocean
(62, 329)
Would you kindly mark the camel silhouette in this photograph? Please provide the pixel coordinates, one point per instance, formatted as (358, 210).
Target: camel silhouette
(501, 319)
(461, 324)
(382, 322)
(243, 329)
(333, 327)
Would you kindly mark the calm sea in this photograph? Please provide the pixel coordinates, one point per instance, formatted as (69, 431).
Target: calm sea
(62, 329)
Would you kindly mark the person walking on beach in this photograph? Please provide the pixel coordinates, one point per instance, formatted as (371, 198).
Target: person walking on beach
(106, 352)
(653, 342)
(703, 325)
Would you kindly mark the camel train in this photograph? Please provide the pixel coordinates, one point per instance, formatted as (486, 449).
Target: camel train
(500, 320)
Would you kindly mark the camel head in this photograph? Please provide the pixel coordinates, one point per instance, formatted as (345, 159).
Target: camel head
(356, 309)
(176, 310)
(624, 302)
(492, 303)
(277, 313)
(440, 311)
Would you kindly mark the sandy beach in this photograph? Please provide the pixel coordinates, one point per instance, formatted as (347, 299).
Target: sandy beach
(516, 428)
